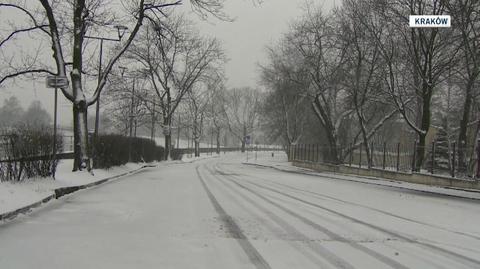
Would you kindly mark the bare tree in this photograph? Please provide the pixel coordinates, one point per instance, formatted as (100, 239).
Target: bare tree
(466, 22)
(314, 39)
(67, 30)
(286, 105)
(198, 103)
(417, 60)
(216, 92)
(176, 58)
(363, 70)
(241, 110)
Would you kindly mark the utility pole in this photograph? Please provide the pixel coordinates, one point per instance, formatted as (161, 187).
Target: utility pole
(97, 111)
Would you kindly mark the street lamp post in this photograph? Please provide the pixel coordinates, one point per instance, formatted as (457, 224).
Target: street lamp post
(132, 107)
(120, 31)
(131, 123)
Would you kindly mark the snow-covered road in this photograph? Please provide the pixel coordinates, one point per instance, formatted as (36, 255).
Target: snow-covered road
(219, 213)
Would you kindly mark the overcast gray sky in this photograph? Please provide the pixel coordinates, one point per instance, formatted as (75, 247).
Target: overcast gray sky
(255, 27)
(244, 40)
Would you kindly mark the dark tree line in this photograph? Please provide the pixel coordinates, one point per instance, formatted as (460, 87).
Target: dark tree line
(361, 69)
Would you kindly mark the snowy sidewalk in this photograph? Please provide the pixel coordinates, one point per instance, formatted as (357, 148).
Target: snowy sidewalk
(17, 198)
(281, 163)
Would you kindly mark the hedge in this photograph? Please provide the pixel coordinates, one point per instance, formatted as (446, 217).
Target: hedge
(113, 150)
(26, 152)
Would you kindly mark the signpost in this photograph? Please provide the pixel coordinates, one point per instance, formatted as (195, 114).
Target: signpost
(56, 82)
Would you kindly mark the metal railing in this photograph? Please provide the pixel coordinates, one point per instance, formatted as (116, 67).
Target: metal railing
(439, 158)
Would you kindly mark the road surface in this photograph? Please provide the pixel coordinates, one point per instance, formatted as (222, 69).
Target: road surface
(220, 213)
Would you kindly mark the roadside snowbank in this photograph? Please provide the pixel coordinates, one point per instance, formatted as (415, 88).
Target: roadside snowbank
(17, 195)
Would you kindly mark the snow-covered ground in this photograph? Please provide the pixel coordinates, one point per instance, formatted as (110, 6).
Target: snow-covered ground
(17, 195)
(220, 213)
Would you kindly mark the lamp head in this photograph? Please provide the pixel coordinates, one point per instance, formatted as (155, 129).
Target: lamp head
(121, 29)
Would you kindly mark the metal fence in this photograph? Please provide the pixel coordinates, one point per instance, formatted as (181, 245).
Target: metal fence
(189, 152)
(438, 157)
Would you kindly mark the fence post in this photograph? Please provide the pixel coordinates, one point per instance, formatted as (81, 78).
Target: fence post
(314, 157)
(453, 159)
(384, 155)
(302, 152)
(398, 156)
(305, 152)
(312, 152)
(295, 152)
(289, 152)
(308, 152)
(433, 157)
(360, 159)
(299, 152)
(414, 157)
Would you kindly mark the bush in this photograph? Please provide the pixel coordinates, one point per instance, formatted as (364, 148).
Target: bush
(27, 152)
(177, 154)
(113, 150)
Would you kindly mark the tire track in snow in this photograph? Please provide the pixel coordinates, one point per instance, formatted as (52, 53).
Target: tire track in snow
(318, 195)
(318, 249)
(378, 256)
(456, 256)
(254, 256)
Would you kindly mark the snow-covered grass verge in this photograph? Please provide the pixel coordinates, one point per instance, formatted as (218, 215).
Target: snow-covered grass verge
(281, 163)
(15, 196)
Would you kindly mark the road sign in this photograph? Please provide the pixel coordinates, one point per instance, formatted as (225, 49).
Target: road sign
(57, 82)
(248, 139)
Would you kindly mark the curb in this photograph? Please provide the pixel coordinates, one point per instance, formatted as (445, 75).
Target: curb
(59, 192)
(62, 191)
(315, 174)
(25, 209)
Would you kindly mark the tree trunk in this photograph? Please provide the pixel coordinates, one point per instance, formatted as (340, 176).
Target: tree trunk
(80, 106)
(80, 131)
(168, 137)
(420, 152)
(425, 124)
(197, 148)
(168, 146)
(462, 135)
(330, 132)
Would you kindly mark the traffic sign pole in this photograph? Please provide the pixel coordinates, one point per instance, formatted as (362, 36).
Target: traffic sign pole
(55, 82)
(55, 130)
